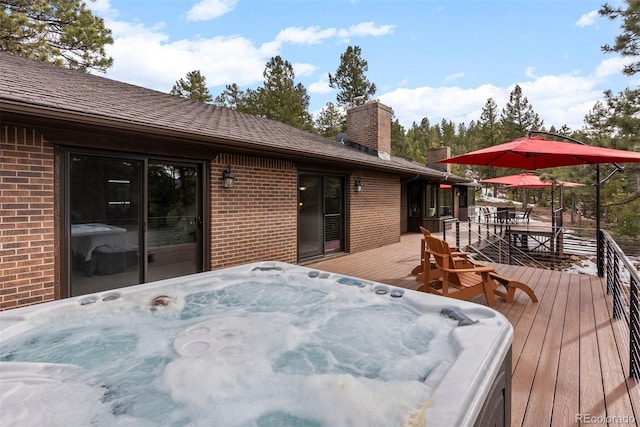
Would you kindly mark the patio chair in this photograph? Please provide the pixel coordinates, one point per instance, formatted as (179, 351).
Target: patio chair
(523, 217)
(421, 268)
(449, 278)
(509, 284)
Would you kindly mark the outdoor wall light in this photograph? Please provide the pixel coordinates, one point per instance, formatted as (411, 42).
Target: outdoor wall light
(227, 177)
(358, 185)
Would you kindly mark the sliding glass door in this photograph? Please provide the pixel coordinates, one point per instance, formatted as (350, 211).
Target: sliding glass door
(174, 220)
(320, 215)
(131, 220)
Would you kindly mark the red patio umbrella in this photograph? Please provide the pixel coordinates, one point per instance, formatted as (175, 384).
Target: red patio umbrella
(526, 180)
(529, 180)
(534, 152)
(538, 153)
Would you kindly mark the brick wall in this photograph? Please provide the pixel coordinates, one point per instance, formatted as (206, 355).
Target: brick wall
(257, 219)
(370, 125)
(374, 218)
(27, 221)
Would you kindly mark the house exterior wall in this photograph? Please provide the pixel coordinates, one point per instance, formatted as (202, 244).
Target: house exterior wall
(254, 221)
(27, 256)
(257, 219)
(374, 213)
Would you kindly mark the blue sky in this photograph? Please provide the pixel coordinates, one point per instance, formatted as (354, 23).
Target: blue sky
(440, 59)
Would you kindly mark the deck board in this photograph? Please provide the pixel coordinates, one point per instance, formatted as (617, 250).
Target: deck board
(569, 356)
(545, 377)
(567, 387)
(591, 391)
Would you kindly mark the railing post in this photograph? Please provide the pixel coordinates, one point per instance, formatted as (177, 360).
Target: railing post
(610, 270)
(469, 231)
(444, 230)
(634, 331)
(617, 301)
(600, 252)
(457, 234)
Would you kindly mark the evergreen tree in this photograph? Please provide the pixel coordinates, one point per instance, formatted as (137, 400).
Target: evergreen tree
(399, 143)
(281, 99)
(627, 43)
(63, 32)
(231, 97)
(234, 98)
(518, 117)
(490, 124)
(353, 86)
(489, 134)
(329, 121)
(194, 87)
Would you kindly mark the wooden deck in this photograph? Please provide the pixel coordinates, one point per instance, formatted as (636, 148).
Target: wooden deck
(570, 357)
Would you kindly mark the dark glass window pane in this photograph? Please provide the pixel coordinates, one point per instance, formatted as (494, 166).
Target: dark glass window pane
(105, 216)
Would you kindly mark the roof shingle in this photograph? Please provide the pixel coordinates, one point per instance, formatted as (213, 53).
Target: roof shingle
(45, 88)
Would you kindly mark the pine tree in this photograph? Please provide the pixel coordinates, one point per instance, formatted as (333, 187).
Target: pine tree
(490, 124)
(234, 98)
(627, 43)
(398, 139)
(353, 86)
(281, 99)
(194, 87)
(63, 32)
(329, 121)
(518, 117)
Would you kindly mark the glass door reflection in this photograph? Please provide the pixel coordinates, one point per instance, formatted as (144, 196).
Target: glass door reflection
(105, 223)
(174, 220)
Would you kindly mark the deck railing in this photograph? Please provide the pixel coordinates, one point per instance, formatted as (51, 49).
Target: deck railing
(622, 277)
(623, 281)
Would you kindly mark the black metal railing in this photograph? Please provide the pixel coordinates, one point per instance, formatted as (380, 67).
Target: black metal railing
(623, 281)
(622, 277)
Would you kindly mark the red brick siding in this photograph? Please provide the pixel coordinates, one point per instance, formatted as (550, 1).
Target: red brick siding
(257, 219)
(27, 274)
(374, 216)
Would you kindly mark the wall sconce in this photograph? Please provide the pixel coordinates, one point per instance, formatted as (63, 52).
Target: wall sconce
(227, 177)
(358, 185)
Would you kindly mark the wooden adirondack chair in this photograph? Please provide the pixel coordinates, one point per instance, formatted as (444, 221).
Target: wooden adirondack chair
(447, 277)
(509, 284)
(419, 270)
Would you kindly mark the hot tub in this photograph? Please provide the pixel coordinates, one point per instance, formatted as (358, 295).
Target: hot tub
(263, 344)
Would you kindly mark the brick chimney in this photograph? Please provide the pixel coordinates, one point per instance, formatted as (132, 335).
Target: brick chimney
(370, 125)
(436, 154)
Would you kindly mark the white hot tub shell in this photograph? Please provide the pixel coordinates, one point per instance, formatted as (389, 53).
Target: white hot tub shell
(261, 344)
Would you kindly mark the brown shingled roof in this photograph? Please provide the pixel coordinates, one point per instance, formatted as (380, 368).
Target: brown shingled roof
(44, 90)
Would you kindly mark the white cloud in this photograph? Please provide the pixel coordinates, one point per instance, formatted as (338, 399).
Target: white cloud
(210, 9)
(309, 35)
(365, 29)
(320, 86)
(101, 7)
(557, 99)
(451, 103)
(612, 66)
(530, 72)
(562, 99)
(454, 76)
(588, 19)
(146, 56)
(303, 69)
